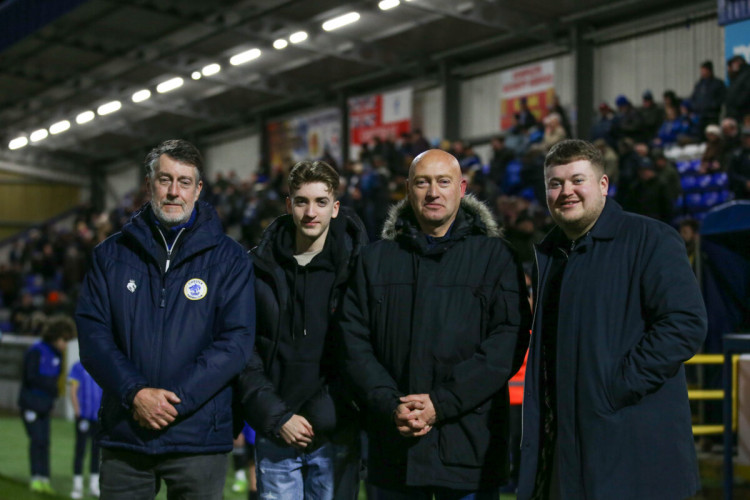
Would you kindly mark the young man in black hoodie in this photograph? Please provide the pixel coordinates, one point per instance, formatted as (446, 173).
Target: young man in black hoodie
(305, 447)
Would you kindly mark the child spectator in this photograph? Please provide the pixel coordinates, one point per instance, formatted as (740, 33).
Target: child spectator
(86, 396)
(41, 370)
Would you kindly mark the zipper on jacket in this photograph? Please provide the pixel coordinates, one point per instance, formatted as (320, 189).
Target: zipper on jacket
(163, 298)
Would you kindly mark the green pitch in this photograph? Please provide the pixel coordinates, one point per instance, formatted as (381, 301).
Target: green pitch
(14, 463)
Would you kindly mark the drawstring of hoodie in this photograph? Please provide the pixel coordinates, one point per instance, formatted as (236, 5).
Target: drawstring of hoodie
(293, 297)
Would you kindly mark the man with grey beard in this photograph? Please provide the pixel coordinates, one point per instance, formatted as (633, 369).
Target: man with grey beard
(166, 319)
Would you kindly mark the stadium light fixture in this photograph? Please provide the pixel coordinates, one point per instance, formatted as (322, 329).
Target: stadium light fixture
(59, 127)
(299, 36)
(280, 44)
(244, 57)
(18, 143)
(388, 4)
(108, 108)
(141, 95)
(39, 135)
(211, 69)
(170, 85)
(340, 21)
(196, 75)
(85, 117)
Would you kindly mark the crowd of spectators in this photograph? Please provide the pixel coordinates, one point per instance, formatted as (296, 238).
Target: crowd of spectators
(45, 267)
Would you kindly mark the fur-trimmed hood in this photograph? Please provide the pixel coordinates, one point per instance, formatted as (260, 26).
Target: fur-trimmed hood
(401, 216)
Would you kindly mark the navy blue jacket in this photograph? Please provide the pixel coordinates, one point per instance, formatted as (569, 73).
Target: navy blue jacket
(189, 330)
(41, 372)
(630, 314)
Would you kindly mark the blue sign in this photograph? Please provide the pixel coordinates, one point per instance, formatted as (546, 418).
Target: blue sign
(732, 11)
(737, 40)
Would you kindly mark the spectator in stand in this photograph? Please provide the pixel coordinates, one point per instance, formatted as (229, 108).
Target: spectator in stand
(611, 161)
(738, 94)
(628, 121)
(522, 235)
(603, 128)
(526, 119)
(553, 131)
(670, 99)
(564, 120)
(668, 174)
(418, 143)
(652, 115)
(730, 132)
(689, 232)
(670, 129)
(708, 96)
(739, 168)
(649, 195)
(42, 366)
(689, 123)
(501, 157)
(713, 156)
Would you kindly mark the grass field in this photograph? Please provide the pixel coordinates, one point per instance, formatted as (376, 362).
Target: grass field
(14, 463)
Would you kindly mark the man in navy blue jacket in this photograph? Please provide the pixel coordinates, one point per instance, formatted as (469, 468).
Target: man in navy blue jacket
(617, 312)
(167, 321)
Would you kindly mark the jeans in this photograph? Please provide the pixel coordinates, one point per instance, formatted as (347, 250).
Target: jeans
(285, 473)
(426, 493)
(126, 475)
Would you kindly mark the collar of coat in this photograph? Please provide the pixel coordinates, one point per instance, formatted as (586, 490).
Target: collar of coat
(204, 233)
(605, 228)
(473, 218)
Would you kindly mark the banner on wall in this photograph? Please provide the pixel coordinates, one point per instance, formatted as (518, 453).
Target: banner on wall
(737, 40)
(310, 136)
(535, 82)
(380, 115)
(731, 11)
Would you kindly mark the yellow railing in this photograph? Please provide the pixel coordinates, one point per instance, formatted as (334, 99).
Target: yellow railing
(714, 394)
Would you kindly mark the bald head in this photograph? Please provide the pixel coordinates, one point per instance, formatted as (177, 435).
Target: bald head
(435, 189)
(434, 156)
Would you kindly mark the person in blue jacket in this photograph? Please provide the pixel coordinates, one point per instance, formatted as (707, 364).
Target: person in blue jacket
(86, 397)
(167, 321)
(617, 312)
(42, 366)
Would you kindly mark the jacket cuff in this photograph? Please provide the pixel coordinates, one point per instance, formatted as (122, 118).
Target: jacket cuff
(284, 419)
(127, 400)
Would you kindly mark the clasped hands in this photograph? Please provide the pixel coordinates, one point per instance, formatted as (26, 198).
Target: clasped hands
(154, 408)
(415, 416)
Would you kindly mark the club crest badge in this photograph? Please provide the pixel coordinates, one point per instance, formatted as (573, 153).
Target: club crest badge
(131, 286)
(195, 289)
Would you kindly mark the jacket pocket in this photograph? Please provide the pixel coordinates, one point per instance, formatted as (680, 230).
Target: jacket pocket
(466, 441)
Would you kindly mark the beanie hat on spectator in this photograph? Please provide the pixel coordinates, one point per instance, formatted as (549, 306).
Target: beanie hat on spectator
(708, 65)
(648, 96)
(687, 104)
(713, 129)
(645, 163)
(622, 101)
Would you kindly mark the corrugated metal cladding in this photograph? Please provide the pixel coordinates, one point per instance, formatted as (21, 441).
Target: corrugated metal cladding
(668, 59)
(240, 156)
(428, 113)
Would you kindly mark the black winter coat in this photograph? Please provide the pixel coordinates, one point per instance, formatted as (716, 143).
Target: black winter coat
(451, 321)
(630, 314)
(289, 372)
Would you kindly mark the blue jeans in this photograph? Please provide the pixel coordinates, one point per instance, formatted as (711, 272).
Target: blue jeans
(285, 473)
(426, 493)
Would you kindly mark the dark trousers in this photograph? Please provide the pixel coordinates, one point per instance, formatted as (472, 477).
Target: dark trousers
(127, 475)
(86, 430)
(427, 493)
(37, 427)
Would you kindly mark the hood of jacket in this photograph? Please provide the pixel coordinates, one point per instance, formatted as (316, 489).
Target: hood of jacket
(473, 218)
